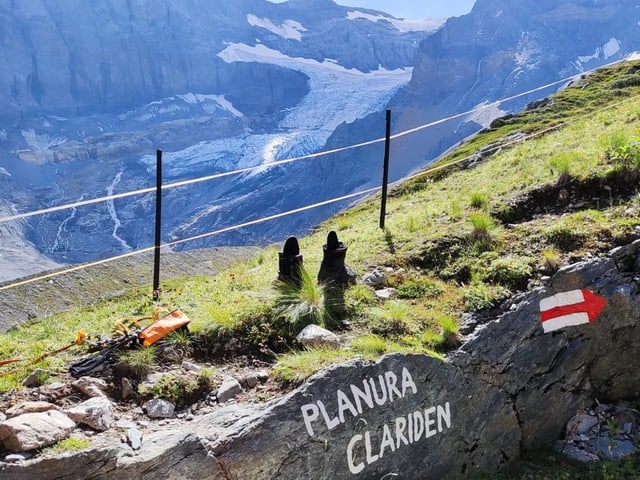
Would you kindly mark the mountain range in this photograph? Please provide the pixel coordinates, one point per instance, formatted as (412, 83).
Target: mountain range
(90, 90)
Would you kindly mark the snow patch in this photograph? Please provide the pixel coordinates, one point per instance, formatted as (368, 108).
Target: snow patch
(484, 113)
(526, 53)
(606, 51)
(220, 100)
(113, 213)
(633, 56)
(337, 95)
(402, 25)
(290, 29)
(611, 48)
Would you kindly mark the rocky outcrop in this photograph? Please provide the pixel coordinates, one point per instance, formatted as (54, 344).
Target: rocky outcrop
(510, 387)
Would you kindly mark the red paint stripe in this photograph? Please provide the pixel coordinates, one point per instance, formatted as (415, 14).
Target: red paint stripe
(563, 310)
(592, 306)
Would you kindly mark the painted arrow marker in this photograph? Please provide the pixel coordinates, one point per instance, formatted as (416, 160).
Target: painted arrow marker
(570, 308)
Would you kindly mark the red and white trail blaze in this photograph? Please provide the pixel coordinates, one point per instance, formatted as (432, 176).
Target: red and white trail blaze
(566, 309)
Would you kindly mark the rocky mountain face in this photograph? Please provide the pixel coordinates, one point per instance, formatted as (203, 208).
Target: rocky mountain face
(90, 90)
(513, 385)
(500, 50)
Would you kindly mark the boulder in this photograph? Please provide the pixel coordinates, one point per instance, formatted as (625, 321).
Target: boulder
(314, 336)
(35, 430)
(160, 408)
(229, 390)
(96, 413)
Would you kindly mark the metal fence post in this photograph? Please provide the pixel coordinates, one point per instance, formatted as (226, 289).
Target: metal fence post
(385, 173)
(158, 237)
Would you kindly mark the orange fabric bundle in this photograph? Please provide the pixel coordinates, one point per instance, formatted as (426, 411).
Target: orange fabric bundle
(161, 328)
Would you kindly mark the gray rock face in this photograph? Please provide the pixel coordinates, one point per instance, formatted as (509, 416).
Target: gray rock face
(397, 416)
(508, 388)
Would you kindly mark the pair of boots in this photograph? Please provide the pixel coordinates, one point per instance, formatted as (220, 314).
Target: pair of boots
(333, 269)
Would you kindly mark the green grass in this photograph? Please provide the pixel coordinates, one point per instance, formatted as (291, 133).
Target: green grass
(66, 445)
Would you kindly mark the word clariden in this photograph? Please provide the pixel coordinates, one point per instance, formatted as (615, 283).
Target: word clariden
(376, 392)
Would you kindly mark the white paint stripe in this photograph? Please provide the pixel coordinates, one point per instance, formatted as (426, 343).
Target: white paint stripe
(565, 321)
(561, 299)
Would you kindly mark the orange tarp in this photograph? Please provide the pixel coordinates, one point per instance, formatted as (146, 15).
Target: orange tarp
(161, 328)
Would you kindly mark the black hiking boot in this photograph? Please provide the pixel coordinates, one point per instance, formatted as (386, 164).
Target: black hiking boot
(290, 263)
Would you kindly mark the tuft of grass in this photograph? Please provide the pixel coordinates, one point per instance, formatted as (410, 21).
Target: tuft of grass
(176, 346)
(478, 200)
(370, 345)
(550, 260)
(446, 338)
(450, 333)
(303, 305)
(391, 320)
(483, 228)
(296, 367)
(136, 363)
(561, 165)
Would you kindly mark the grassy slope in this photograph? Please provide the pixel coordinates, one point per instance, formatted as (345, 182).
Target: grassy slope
(458, 238)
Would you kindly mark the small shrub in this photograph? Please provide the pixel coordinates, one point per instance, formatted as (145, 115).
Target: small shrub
(480, 296)
(181, 390)
(623, 151)
(511, 272)
(361, 294)
(419, 288)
